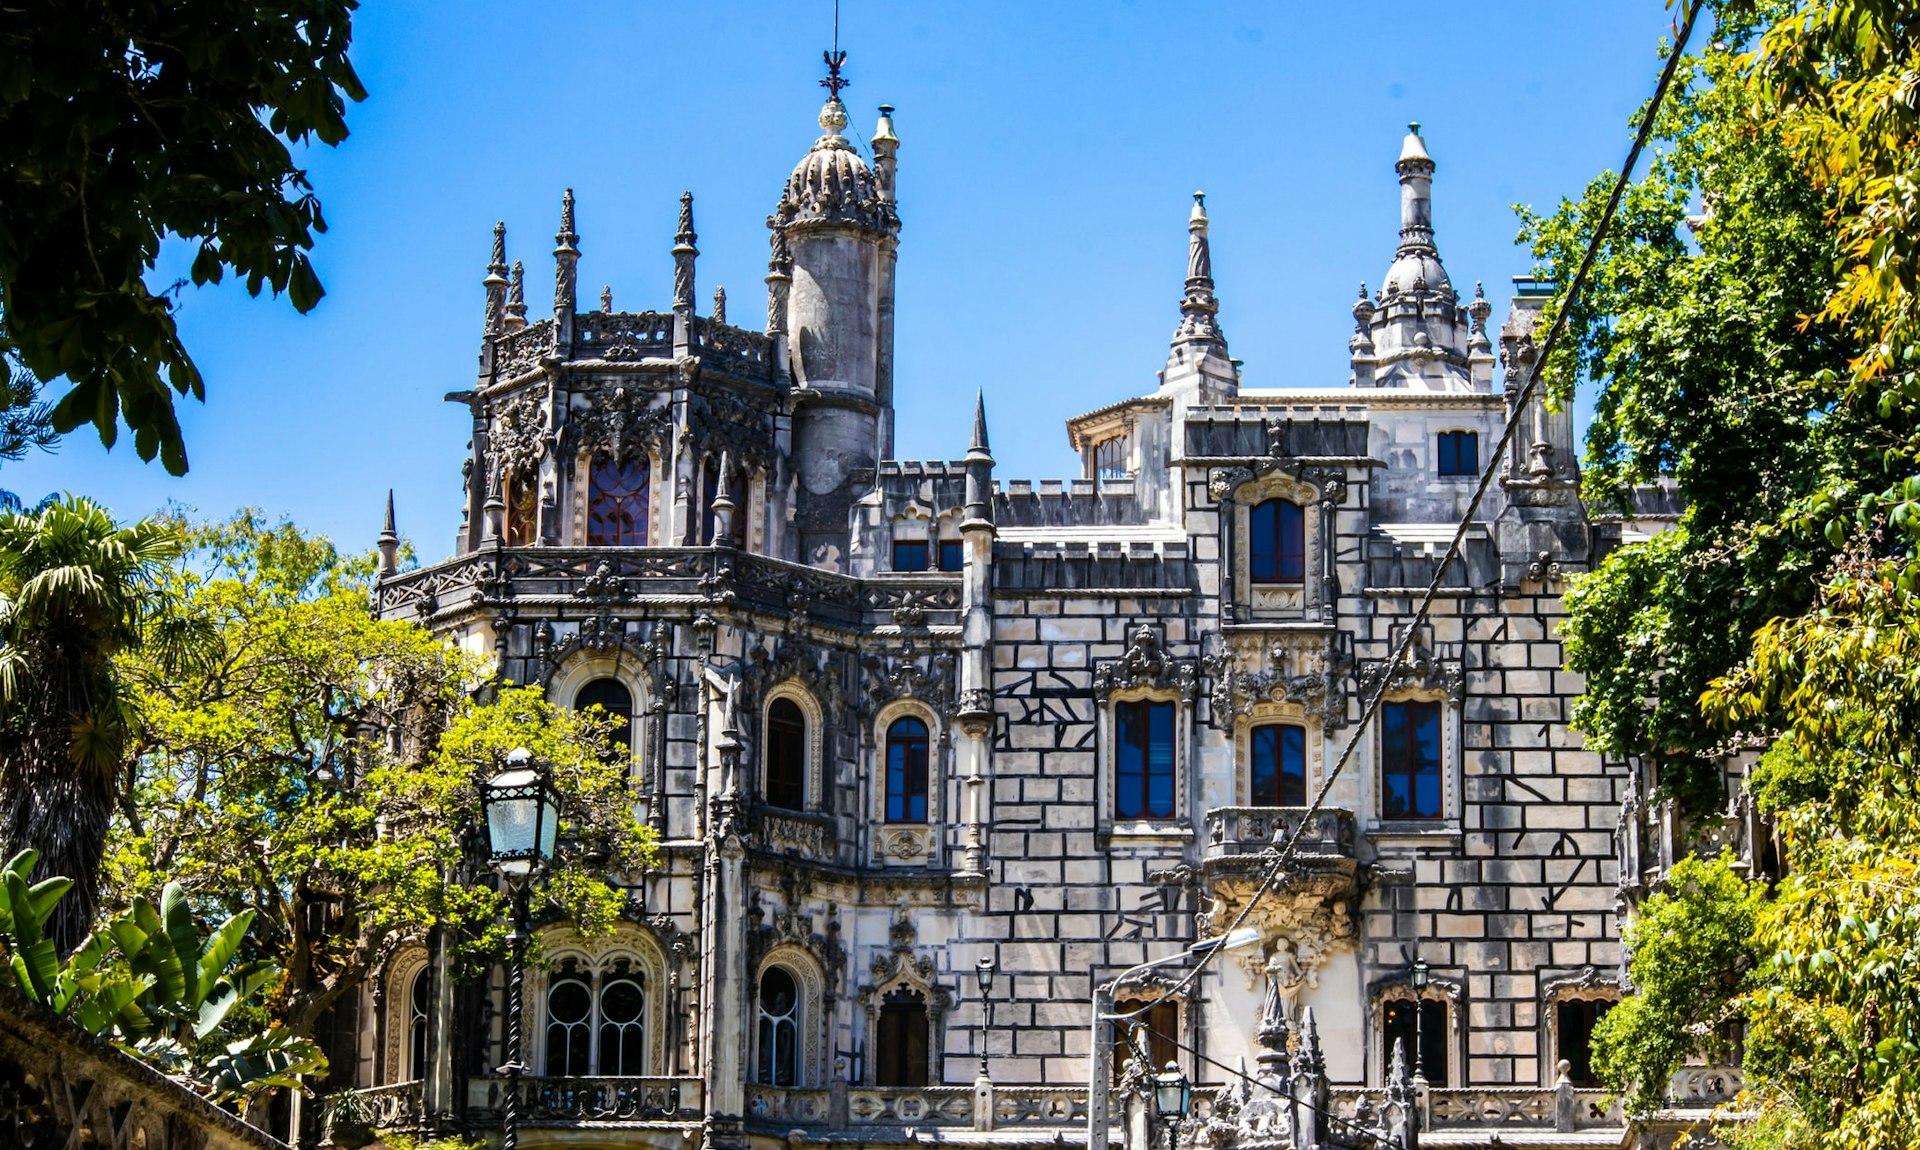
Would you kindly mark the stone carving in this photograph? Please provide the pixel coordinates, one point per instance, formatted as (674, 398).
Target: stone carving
(1417, 670)
(906, 676)
(1303, 925)
(1294, 672)
(518, 436)
(1145, 664)
(619, 425)
(726, 425)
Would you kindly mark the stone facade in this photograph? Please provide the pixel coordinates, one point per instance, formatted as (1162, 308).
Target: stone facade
(893, 718)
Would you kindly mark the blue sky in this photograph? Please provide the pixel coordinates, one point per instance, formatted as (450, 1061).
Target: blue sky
(1048, 154)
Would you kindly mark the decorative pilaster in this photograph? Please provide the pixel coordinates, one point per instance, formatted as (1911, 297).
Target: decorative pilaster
(566, 273)
(684, 254)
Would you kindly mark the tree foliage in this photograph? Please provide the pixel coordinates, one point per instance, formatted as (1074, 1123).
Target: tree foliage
(124, 123)
(1766, 360)
(317, 768)
(76, 590)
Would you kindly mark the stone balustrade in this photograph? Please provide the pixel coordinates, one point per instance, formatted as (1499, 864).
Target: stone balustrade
(1236, 831)
(920, 1106)
(568, 1101)
(399, 1106)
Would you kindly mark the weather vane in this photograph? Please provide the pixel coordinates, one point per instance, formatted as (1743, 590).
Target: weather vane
(834, 58)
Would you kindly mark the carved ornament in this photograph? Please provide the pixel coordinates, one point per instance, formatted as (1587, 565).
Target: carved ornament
(1146, 664)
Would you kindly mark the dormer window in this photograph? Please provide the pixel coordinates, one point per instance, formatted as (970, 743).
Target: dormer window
(1458, 453)
(1277, 547)
(1110, 459)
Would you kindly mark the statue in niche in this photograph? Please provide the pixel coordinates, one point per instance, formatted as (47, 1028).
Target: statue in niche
(1286, 976)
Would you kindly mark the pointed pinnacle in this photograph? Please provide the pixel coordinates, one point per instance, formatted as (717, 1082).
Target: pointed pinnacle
(498, 265)
(980, 422)
(685, 235)
(387, 529)
(567, 237)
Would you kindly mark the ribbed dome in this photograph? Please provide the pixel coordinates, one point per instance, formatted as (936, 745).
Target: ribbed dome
(1416, 270)
(831, 183)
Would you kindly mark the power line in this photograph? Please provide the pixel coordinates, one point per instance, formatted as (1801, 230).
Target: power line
(1278, 868)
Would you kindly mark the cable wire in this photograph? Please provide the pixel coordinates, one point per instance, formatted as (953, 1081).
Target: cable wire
(1279, 866)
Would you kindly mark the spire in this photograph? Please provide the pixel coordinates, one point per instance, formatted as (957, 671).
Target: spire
(517, 298)
(1416, 190)
(496, 281)
(1199, 307)
(979, 446)
(389, 543)
(566, 260)
(683, 254)
(979, 465)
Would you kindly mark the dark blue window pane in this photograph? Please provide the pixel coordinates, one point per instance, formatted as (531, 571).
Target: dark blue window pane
(1143, 760)
(950, 555)
(907, 771)
(1410, 760)
(909, 554)
(1279, 769)
(1459, 453)
(1277, 549)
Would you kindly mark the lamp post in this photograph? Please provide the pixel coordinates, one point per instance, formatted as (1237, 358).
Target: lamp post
(1172, 1096)
(1099, 1074)
(1418, 981)
(983, 974)
(523, 822)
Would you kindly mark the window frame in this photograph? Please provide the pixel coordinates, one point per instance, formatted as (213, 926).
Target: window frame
(1385, 770)
(644, 497)
(902, 556)
(906, 1006)
(1146, 813)
(951, 555)
(800, 734)
(628, 953)
(1254, 732)
(925, 740)
(1285, 547)
(625, 718)
(1447, 461)
(1434, 1039)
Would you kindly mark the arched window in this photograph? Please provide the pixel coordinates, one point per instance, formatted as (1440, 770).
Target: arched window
(1161, 1023)
(1278, 773)
(1459, 453)
(1110, 459)
(623, 1010)
(1410, 760)
(903, 1040)
(569, 1027)
(523, 509)
(1143, 768)
(618, 495)
(907, 771)
(786, 756)
(419, 1018)
(612, 696)
(1277, 547)
(1424, 1031)
(1574, 1020)
(778, 1063)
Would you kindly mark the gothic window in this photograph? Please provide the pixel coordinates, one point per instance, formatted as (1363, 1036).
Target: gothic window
(1160, 1026)
(1277, 542)
(786, 755)
(623, 1009)
(907, 771)
(1410, 760)
(909, 554)
(1574, 1020)
(952, 555)
(778, 1061)
(419, 1014)
(1278, 773)
(1110, 459)
(523, 508)
(1143, 774)
(618, 495)
(613, 697)
(1459, 453)
(569, 1026)
(902, 1057)
(1424, 1030)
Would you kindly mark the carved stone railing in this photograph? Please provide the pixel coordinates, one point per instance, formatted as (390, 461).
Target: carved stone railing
(788, 1107)
(734, 350)
(675, 1098)
(1235, 831)
(920, 1106)
(807, 835)
(396, 1107)
(1695, 1086)
(623, 335)
(910, 1106)
(1558, 1108)
(576, 576)
(522, 351)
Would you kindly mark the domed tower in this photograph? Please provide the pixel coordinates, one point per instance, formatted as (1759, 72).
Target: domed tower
(837, 232)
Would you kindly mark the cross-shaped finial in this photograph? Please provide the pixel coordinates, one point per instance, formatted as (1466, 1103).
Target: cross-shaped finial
(834, 81)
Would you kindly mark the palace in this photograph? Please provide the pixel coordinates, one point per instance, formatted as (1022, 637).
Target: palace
(897, 720)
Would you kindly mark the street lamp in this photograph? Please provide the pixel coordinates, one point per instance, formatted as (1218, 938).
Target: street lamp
(1419, 984)
(1098, 1078)
(523, 822)
(983, 974)
(1172, 1096)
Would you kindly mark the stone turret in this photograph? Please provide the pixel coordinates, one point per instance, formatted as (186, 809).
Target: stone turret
(836, 231)
(1198, 367)
(1415, 333)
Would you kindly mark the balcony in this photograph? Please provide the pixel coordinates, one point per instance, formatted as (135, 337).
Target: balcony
(918, 1107)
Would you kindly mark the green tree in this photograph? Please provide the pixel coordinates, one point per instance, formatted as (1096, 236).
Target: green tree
(124, 123)
(76, 589)
(317, 768)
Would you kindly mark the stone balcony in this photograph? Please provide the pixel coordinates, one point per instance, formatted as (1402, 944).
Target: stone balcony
(1237, 840)
(870, 1112)
(669, 1099)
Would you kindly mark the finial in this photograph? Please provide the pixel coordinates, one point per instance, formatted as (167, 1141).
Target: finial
(517, 291)
(683, 256)
(606, 299)
(883, 127)
(498, 265)
(685, 234)
(1414, 127)
(1199, 214)
(834, 82)
(566, 238)
(1479, 290)
(719, 305)
(979, 423)
(1198, 307)
(389, 544)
